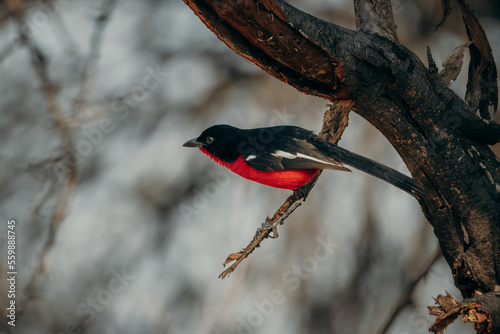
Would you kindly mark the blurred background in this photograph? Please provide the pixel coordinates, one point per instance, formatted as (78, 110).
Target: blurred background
(135, 241)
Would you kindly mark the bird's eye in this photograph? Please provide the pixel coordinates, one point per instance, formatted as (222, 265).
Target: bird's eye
(210, 140)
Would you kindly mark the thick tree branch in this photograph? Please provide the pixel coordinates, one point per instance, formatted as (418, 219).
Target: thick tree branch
(271, 42)
(439, 137)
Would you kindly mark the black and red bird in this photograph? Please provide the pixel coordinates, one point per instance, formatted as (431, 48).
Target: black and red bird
(288, 156)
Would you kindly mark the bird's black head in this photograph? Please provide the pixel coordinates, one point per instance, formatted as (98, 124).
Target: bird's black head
(221, 141)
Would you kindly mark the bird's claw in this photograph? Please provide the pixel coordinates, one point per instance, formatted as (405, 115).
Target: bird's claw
(268, 226)
(300, 193)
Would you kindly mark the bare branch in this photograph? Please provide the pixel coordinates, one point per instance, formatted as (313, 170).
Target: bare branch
(375, 16)
(446, 6)
(7, 51)
(406, 298)
(61, 122)
(273, 42)
(50, 92)
(92, 57)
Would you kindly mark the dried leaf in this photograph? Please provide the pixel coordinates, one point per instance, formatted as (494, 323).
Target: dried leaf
(446, 302)
(435, 310)
(453, 64)
(446, 311)
(482, 86)
(446, 5)
(232, 257)
(449, 309)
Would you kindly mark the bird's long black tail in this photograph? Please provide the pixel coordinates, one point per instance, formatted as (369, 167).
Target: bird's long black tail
(376, 169)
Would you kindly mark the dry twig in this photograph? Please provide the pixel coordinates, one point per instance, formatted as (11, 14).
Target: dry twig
(406, 298)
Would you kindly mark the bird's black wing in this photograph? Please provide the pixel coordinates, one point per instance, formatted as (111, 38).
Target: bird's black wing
(297, 148)
(290, 149)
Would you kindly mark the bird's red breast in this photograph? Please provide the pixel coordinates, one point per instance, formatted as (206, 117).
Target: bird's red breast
(284, 179)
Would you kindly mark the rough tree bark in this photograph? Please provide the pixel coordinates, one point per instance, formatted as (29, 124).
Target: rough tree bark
(437, 134)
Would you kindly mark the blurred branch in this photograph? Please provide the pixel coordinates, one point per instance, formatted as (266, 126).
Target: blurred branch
(7, 51)
(65, 37)
(92, 57)
(366, 258)
(335, 121)
(406, 298)
(50, 92)
(446, 6)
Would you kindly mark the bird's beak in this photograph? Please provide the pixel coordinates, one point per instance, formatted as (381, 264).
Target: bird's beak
(193, 143)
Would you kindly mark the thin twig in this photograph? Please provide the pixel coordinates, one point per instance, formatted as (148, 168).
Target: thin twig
(66, 38)
(7, 51)
(334, 123)
(406, 298)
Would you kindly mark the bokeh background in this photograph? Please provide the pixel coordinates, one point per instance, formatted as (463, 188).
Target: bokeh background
(149, 223)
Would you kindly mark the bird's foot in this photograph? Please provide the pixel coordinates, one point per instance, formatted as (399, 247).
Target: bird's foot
(300, 193)
(269, 226)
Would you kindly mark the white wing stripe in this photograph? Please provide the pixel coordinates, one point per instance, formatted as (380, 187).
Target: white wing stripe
(283, 154)
(250, 157)
(301, 155)
(288, 155)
